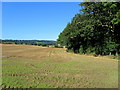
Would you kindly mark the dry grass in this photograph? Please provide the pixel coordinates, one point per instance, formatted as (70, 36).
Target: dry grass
(43, 67)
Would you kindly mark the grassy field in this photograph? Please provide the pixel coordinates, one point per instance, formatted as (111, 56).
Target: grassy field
(25, 66)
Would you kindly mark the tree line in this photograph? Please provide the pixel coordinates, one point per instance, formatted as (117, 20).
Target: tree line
(30, 42)
(95, 30)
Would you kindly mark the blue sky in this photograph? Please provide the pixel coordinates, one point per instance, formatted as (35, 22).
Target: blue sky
(36, 20)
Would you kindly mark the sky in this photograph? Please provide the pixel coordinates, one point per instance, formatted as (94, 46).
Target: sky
(42, 0)
(36, 20)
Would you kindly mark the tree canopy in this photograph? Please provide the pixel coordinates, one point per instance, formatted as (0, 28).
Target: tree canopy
(96, 30)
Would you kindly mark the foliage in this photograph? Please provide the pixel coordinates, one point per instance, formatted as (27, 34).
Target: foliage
(96, 30)
(30, 42)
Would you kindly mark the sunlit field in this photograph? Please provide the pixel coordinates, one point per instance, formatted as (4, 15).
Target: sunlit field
(25, 66)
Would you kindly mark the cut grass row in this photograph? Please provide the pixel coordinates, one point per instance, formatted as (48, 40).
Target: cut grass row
(39, 67)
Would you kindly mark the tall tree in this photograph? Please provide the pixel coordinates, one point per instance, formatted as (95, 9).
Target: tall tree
(94, 31)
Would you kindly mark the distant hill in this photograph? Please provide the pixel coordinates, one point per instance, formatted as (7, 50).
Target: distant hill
(29, 42)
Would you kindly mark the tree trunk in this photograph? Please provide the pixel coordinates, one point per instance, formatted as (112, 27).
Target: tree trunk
(116, 54)
(110, 53)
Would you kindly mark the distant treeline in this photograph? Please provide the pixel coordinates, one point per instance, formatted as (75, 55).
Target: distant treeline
(30, 42)
(96, 30)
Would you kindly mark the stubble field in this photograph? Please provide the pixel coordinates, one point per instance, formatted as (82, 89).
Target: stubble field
(25, 66)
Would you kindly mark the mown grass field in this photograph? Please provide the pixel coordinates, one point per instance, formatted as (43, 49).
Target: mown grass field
(25, 66)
